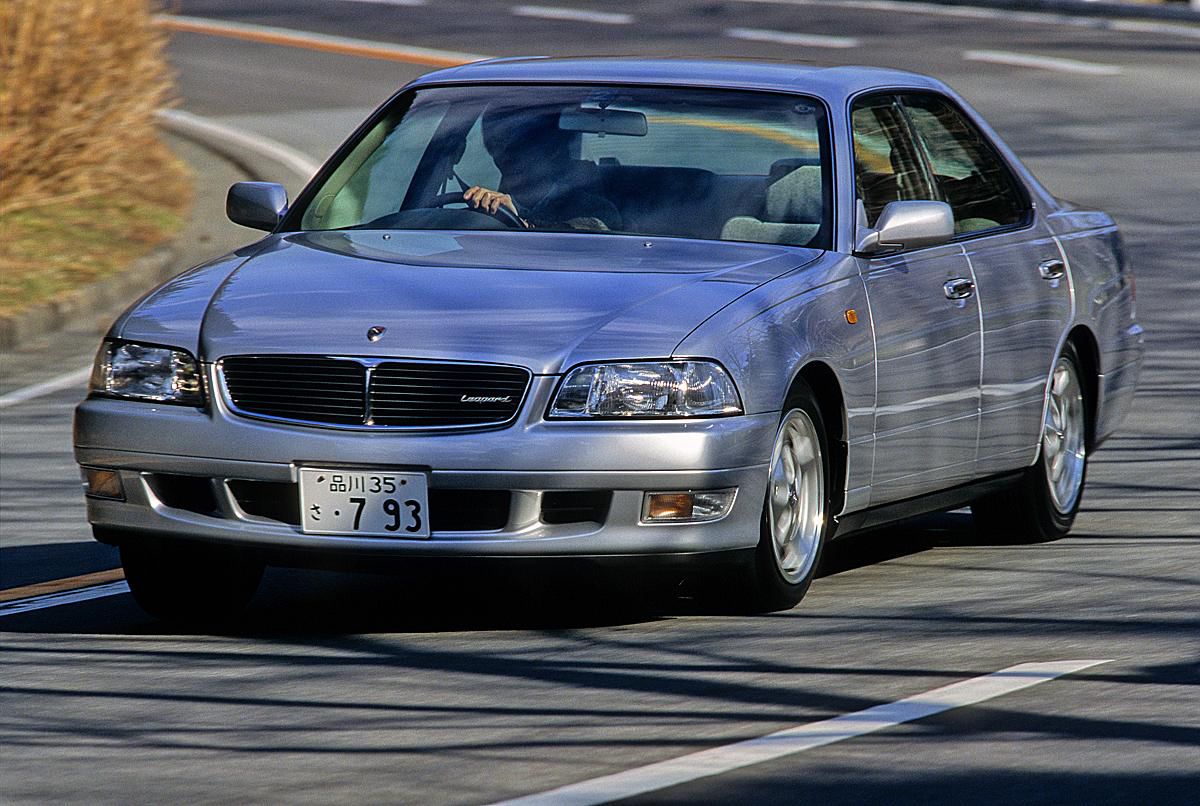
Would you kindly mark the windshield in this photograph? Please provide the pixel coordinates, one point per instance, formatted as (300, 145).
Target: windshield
(713, 164)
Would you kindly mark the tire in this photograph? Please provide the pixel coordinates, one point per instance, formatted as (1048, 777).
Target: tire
(190, 583)
(796, 510)
(1042, 506)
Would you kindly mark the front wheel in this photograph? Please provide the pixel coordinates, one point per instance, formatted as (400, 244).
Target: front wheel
(193, 583)
(795, 519)
(1042, 506)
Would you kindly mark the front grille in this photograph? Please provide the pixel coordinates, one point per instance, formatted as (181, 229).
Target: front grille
(374, 393)
(434, 394)
(312, 389)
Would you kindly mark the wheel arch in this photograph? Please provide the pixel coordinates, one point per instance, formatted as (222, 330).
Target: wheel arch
(1088, 350)
(821, 379)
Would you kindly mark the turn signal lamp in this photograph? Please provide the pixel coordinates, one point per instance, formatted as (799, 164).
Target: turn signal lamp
(101, 483)
(687, 506)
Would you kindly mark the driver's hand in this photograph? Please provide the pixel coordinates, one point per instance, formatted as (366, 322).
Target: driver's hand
(488, 200)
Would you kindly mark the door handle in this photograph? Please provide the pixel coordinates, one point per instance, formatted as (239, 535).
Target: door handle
(958, 288)
(1052, 269)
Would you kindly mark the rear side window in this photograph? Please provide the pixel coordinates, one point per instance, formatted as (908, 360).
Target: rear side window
(969, 174)
(887, 165)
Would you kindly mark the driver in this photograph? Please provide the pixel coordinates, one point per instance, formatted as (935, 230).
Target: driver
(539, 182)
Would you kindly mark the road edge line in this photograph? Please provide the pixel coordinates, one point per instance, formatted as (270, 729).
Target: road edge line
(35, 589)
(310, 40)
(18, 606)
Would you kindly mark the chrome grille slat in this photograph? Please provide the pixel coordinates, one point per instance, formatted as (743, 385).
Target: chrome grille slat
(333, 391)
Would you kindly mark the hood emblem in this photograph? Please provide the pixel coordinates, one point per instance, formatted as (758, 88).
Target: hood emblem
(376, 332)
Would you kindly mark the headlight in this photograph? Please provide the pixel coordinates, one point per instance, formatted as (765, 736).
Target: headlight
(146, 372)
(647, 389)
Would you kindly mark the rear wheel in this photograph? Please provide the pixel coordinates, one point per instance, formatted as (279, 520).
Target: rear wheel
(1043, 504)
(795, 517)
(185, 582)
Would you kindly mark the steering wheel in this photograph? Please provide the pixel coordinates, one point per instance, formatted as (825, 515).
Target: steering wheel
(502, 214)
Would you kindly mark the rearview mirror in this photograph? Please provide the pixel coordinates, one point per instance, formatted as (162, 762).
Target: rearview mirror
(603, 121)
(258, 205)
(908, 225)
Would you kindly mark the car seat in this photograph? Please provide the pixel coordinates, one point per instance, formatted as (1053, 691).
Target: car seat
(791, 213)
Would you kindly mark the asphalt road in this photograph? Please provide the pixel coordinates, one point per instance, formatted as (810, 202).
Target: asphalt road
(342, 688)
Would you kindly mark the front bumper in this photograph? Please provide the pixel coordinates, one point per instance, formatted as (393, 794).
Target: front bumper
(527, 460)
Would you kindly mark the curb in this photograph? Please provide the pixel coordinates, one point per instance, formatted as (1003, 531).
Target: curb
(257, 157)
(72, 306)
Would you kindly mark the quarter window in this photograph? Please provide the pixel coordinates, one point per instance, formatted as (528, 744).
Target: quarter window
(970, 175)
(887, 166)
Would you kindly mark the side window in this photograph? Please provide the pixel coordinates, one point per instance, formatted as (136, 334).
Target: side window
(887, 166)
(969, 173)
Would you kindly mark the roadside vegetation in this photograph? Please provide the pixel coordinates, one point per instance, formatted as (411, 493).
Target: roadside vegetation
(86, 183)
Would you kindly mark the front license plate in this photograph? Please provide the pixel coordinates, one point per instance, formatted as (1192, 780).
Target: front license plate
(370, 504)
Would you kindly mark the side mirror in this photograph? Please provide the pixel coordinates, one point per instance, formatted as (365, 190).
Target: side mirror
(908, 225)
(258, 205)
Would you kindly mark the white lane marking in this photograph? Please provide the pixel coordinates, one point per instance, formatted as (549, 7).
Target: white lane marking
(65, 381)
(979, 13)
(790, 38)
(718, 760)
(62, 598)
(573, 14)
(186, 123)
(1147, 27)
(1041, 62)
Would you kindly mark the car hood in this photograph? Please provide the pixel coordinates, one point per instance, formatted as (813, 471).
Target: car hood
(540, 300)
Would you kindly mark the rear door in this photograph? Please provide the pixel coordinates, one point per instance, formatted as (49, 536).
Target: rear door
(927, 344)
(1022, 287)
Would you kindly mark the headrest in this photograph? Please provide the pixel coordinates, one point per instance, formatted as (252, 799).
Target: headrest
(795, 198)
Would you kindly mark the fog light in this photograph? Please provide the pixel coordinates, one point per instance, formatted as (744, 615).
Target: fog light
(100, 483)
(688, 506)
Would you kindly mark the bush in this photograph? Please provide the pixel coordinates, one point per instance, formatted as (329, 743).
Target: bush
(86, 184)
(80, 81)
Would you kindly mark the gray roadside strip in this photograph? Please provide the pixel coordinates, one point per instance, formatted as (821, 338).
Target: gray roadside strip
(730, 757)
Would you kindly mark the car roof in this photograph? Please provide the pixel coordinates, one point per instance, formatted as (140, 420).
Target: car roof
(830, 83)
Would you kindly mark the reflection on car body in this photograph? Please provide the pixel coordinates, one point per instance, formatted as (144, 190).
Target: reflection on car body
(617, 308)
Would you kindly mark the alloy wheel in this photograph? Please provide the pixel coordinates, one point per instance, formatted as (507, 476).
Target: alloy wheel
(796, 496)
(1064, 446)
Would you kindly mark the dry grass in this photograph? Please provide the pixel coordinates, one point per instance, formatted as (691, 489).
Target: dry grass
(80, 81)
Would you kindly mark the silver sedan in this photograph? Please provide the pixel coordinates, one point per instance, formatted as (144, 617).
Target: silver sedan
(616, 308)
